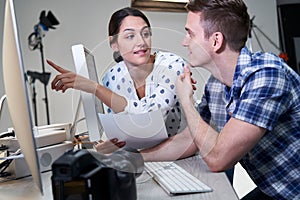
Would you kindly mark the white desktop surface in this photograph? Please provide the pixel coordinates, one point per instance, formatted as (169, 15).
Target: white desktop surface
(222, 189)
(147, 188)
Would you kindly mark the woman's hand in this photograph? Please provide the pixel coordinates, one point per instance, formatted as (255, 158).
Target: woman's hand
(109, 146)
(68, 79)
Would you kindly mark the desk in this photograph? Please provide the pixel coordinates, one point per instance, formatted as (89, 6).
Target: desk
(222, 189)
(146, 188)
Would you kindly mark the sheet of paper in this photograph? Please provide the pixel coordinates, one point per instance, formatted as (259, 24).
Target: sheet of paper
(138, 130)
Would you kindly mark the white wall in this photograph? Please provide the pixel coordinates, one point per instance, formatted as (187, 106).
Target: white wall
(86, 22)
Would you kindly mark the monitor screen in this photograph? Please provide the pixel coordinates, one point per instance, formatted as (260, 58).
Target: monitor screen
(85, 66)
(16, 92)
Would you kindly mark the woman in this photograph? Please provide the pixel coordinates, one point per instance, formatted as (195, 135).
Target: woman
(139, 82)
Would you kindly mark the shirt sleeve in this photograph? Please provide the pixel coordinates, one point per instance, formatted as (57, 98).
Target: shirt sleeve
(263, 98)
(212, 107)
(203, 108)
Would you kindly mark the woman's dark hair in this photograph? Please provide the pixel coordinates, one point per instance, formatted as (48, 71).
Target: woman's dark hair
(116, 21)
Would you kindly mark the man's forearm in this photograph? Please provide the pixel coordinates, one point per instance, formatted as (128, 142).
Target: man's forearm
(201, 133)
(176, 147)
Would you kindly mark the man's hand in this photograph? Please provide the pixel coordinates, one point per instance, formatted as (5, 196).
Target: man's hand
(185, 86)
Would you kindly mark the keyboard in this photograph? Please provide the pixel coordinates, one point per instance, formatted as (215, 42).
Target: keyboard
(174, 179)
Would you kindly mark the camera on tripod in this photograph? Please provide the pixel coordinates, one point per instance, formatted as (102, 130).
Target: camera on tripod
(83, 174)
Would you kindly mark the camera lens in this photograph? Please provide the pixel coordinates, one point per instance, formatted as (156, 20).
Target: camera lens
(63, 171)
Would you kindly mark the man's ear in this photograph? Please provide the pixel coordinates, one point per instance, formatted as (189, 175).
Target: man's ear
(217, 40)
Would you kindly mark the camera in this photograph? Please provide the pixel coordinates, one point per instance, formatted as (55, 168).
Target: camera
(83, 174)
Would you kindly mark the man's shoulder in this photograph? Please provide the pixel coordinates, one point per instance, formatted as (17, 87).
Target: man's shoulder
(250, 63)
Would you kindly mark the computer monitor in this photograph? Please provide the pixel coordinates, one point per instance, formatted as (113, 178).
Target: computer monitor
(16, 92)
(85, 66)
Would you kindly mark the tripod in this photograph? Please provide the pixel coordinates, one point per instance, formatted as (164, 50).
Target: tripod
(252, 30)
(44, 78)
(35, 42)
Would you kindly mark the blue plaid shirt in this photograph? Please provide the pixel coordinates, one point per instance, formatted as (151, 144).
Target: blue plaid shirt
(213, 104)
(265, 92)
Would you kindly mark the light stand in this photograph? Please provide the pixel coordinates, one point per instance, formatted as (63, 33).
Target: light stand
(35, 42)
(44, 78)
(252, 29)
(32, 83)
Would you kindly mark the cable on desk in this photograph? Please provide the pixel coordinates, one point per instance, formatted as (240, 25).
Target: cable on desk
(5, 164)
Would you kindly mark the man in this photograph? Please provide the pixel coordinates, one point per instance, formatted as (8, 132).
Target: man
(262, 104)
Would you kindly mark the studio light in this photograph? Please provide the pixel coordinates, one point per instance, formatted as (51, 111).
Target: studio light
(46, 22)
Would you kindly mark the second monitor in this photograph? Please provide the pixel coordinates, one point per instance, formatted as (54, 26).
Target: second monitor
(85, 66)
